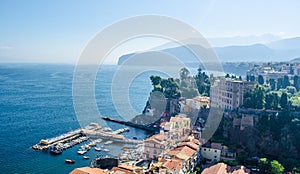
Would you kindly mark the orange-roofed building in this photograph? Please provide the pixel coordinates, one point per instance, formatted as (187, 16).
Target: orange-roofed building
(154, 146)
(187, 154)
(88, 170)
(174, 166)
(222, 168)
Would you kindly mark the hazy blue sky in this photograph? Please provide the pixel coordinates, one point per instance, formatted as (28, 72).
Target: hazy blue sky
(57, 31)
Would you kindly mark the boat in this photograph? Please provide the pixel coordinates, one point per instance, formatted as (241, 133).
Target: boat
(97, 148)
(92, 144)
(69, 161)
(81, 152)
(105, 150)
(86, 157)
(108, 142)
(55, 151)
(134, 138)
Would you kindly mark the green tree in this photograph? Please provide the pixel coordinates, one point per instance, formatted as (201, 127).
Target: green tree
(184, 74)
(261, 80)
(259, 96)
(272, 100)
(283, 100)
(272, 84)
(273, 167)
(276, 167)
(256, 98)
(252, 78)
(227, 76)
(279, 83)
(286, 81)
(296, 82)
(264, 165)
(155, 80)
(203, 83)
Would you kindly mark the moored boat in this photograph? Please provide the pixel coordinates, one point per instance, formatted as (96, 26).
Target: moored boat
(69, 161)
(81, 152)
(86, 157)
(97, 148)
(55, 151)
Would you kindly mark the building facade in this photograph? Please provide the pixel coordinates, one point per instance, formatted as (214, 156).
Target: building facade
(229, 94)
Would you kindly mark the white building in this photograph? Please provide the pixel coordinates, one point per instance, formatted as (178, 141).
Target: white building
(229, 94)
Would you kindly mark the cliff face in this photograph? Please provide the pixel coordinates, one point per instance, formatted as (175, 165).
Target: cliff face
(261, 137)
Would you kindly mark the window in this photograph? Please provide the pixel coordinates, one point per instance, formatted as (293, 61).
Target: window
(216, 151)
(215, 156)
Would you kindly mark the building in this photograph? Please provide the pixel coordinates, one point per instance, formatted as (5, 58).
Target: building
(154, 146)
(229, 94)
(88, 170)
(211, 152)
(222, 168)
(187, 105)
(179, 126)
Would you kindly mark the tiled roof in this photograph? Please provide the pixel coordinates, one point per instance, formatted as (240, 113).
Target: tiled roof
(189, 144)
(173, 164)
(88, 170)
(186, 153)
(222, 168)
(216, 146)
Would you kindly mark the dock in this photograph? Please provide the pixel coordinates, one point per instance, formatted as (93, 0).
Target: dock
(78, 136)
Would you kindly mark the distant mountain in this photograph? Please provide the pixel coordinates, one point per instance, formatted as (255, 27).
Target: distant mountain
(257, 52)
(281, 50)
(285, 44)
(295, 60)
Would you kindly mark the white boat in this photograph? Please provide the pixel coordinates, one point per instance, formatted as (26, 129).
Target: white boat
(81, 152)
(86, 157)
(97, 148)
(105, 150)
(108, 142)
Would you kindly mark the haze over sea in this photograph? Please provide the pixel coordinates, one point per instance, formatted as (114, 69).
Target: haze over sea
(36, 103)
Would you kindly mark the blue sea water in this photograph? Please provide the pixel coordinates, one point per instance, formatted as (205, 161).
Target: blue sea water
(36, 102)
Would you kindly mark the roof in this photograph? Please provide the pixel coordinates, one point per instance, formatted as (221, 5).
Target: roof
(179, 118)
(88, 170)
(219, 168)
(189, 144)
(118, 170)
(173, 164)
(222, 168)
(186, 153)
(129, 167)
(216, 146)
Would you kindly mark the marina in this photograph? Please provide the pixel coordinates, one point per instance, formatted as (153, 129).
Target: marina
(93, 131)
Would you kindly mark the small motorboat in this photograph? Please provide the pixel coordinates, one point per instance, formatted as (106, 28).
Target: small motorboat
(86, 157)
(81, 152)
(55, 151)
(69, 161)
(108, 142)
(105, 150)
(97, 148)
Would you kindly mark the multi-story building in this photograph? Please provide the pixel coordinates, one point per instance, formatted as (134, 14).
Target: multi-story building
(211, 152)
(154, 146)
(229, 94)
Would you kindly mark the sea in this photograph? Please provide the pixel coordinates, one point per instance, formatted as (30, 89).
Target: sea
(36, 102)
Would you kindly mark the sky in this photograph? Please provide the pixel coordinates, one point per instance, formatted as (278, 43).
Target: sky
(57, 31)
